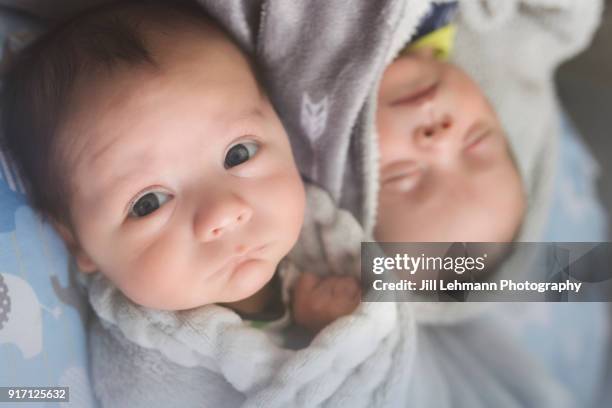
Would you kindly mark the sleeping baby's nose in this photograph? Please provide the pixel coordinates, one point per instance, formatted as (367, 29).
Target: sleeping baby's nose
(434, 133)
(214, 219)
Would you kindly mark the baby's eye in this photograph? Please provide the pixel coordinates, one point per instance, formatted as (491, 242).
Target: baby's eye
(148, 203)
(239, 153)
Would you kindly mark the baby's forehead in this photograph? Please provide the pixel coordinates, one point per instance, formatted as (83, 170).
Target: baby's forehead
(210, 89)
(130, 119)
(173, 70)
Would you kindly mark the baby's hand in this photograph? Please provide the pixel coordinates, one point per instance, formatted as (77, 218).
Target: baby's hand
(318, 301)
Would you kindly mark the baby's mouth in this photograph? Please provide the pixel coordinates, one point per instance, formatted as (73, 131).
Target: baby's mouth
(237, 258)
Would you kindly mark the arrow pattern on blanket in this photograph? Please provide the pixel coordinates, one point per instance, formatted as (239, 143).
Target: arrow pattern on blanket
(313, 117)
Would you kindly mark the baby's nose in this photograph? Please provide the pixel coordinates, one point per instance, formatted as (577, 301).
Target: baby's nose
(213, 221)
(435, 132)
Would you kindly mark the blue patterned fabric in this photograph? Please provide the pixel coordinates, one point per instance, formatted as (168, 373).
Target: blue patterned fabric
(571, 339)
(577, 214)
(42, 314)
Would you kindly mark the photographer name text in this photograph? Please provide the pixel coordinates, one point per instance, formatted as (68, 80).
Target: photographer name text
(432, 285)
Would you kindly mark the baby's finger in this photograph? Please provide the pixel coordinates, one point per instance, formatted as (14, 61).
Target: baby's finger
(307, 282)
(326, 287)
(351, 291)
(343, 306)
(343, 286)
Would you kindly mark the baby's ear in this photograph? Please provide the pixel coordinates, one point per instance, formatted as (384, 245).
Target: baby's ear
(84, 262)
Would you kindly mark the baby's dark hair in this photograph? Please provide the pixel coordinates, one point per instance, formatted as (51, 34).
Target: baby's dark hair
(42, 79)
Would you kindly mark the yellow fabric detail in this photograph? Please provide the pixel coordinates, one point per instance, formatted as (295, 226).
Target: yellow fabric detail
(441, 41)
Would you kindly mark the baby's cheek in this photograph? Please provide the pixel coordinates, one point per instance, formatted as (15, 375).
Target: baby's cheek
(284, 201)
(143, 287)
(151, 281)
(294, 218)
(393, 140)
(392, 223)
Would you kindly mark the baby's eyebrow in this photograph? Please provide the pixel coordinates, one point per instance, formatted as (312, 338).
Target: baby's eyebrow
(253, 113)
(104, 149)
(114, 182)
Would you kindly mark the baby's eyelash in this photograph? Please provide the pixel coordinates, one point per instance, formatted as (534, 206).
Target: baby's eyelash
(141, 194)
(234, 156)
(149, 203)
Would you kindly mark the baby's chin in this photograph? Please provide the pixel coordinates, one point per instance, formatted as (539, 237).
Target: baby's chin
(247, 278)
(244, 280)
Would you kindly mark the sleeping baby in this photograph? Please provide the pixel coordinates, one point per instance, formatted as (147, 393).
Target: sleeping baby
(146, 137)
(447, 174)
(446, 170)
